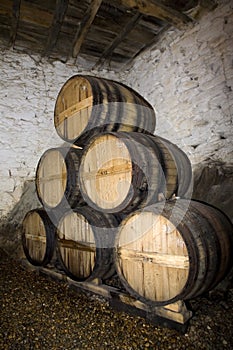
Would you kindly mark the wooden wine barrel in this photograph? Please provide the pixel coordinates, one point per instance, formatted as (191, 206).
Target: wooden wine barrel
(123, 171)
(85, 244)
(38, 237)
(87, 105)
(173, 251)
(56, 178)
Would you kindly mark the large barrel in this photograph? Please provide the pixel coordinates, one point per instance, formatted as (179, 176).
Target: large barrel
(123, 171)
(85, 244)
(87, 105)
(173, 251)
(38, 237)
(57, 178)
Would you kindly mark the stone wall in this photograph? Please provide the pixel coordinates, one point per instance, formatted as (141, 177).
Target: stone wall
(28, 91)
(188, 78)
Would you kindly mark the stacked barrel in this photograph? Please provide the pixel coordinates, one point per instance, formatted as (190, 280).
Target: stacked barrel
(110, 200)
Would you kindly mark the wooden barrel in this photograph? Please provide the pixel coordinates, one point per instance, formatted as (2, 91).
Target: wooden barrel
(87, 105)
(173, 251)
(85, 244)
(38, 237)
(123, 171)
(57, 177)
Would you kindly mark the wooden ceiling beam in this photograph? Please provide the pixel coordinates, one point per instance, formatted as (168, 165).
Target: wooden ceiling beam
(110, 49)
(14, 21)
(158, 10)
(58, 17)
(84, 26)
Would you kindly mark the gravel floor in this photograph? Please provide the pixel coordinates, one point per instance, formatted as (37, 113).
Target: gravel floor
(38, 313)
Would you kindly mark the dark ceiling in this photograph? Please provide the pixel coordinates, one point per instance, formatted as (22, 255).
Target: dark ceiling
(104, 34)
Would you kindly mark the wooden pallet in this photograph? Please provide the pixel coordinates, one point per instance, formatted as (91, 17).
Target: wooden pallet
(174, 316)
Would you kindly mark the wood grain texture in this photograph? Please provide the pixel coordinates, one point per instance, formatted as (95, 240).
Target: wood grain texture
(85, 244)
(122, 171)
(87, 105)
(52, 178)
(158, 10)
(153, 257)
(122, 34)
(58, 17)
(15, 20)
(77, 245)
(85, 25)
(176, 250)
(107, 172)
(57, 177)
(38, 237)
(114, 32)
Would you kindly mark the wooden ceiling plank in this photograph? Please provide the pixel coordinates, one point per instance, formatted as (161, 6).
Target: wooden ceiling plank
(59, 15)
(158, 10)
(85, 25)
(110, 49)
(15, 21)
(156, 39)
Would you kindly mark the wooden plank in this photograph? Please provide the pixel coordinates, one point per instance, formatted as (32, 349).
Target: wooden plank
(107, 151)
(67, 243)
(109, 171)
(101, 289)
(15, 20)
(180, 316)
(36, 238)
(159, 36)
(85, 25)
(110, 49)
(87, 102)
(59, 15)
(52, 177)
(6, 8)
(168, 260)
(158, 10)
(178, 306)
(176, 312)
(29, 13)
(59, 176)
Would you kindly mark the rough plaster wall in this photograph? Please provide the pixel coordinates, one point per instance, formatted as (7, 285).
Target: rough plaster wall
(28, 90)
(188, 78)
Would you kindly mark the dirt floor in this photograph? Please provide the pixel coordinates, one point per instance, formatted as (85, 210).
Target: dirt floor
(39, 313)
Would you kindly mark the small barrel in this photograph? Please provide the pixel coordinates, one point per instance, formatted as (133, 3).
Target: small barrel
(38, 237)
(123, 171)
(57, 178)
(87, 105)
(85, 244)
(173, 251)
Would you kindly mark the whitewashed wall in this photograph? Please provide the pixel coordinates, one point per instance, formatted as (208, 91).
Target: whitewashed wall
(189, 81)
(188, 78)
(28, 92)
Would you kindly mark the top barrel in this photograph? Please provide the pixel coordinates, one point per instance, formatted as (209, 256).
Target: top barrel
(87, 105)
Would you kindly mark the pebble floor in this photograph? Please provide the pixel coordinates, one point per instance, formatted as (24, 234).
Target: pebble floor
(39, 313)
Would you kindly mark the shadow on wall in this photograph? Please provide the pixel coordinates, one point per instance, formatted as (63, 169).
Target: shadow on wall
(11, 224)
(213, 184)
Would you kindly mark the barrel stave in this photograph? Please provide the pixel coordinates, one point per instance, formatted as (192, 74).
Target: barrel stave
(57, 178)
(152, 171)
(173, 251)
(85, 244)
(88, 105)
(38, 237)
